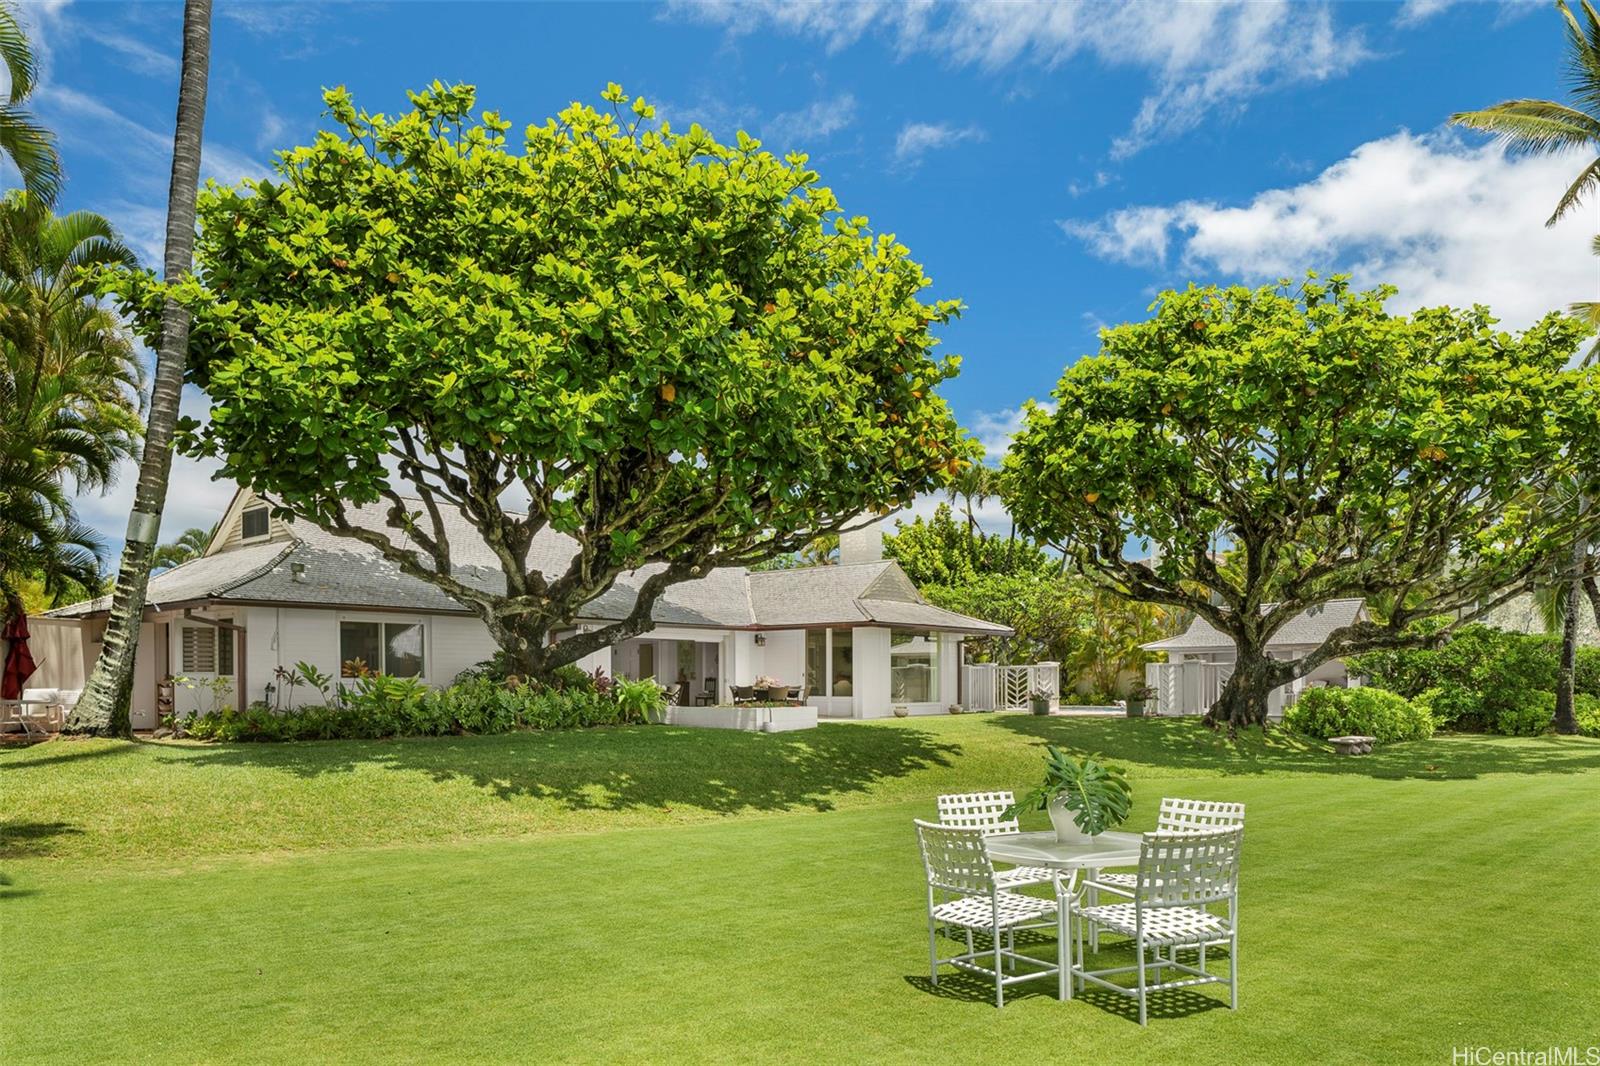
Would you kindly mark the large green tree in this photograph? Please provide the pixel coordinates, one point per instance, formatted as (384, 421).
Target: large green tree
(71, 393)
(1545, 127)
(103, 708)
(1342, 450)
(679, 353)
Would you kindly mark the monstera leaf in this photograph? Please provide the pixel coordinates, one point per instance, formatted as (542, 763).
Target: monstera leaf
(1097, 794)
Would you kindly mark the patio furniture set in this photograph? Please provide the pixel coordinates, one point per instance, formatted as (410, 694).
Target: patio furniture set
(1185, 873)
(787, 694)
(39, 711)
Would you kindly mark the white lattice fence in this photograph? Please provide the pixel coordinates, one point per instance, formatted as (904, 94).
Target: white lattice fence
(1007, 687)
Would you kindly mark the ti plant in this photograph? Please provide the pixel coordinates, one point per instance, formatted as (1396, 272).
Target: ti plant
(1097, 794)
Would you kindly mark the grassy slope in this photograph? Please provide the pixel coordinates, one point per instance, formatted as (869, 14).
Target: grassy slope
(589, 896)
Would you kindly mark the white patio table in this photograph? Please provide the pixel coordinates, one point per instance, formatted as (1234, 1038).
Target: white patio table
(1043, 849)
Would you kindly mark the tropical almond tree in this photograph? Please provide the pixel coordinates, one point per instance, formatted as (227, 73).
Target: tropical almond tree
(677, 353)
(1339, 450)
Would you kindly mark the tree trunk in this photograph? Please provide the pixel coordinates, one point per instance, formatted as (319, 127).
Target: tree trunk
(1243, 700)
(103, 708)
(1566, 720)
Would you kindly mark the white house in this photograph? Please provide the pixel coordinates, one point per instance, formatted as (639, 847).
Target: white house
(1200, 659)
(857, 637)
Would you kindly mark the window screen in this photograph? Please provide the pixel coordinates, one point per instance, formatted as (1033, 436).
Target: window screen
(199, 650)
(254, 523)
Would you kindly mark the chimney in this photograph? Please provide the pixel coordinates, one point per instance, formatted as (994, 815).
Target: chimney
(864, 545)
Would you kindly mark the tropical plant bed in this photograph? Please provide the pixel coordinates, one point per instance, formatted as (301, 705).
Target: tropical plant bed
(752, 718)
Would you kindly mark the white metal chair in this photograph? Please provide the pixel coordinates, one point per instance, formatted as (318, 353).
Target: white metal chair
(1181, 876)
(1175, 816)
(963, 892)
(986, 811)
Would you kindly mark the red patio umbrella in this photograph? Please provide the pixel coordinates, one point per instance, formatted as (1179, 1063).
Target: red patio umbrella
(19, 660)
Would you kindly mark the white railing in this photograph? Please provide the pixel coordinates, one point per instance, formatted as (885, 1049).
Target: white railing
(1192, 687)
(1006, 687)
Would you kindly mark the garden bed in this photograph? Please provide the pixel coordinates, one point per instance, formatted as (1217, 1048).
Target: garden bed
(749, 719)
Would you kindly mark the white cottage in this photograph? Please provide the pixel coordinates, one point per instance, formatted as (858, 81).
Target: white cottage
(1200, 659)
(857, 637)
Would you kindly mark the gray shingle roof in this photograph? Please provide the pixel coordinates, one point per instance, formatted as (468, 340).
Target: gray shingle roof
(1309, 627)
(208, 577)
(341, 572)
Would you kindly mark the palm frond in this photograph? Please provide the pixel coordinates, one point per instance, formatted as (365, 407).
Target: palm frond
(17, 55)
(1586, 181)
(32, 149)
(1533, 127)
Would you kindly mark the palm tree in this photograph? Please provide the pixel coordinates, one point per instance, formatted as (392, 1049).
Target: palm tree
(30, 147)
(191, 544)
(103, 708)
(71, 387)
(1545, 127)
(973, 486)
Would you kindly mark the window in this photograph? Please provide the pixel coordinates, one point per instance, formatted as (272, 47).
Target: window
(647, 661)
(913, 666)
(816, 658)
(254, 523)
(225, 651)
(393, 648)
(841, 663)
(199, 650)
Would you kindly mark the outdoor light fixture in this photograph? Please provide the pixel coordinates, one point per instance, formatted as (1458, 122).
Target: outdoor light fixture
(761, 640)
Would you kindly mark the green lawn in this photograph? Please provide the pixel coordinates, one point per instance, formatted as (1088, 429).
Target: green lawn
(655, 894)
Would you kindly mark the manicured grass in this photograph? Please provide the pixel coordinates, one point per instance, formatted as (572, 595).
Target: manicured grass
(657, 894)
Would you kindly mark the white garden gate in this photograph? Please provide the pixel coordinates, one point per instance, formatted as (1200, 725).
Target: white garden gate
(1006, 687)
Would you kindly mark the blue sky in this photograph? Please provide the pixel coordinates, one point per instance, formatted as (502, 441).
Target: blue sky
(1053, 167)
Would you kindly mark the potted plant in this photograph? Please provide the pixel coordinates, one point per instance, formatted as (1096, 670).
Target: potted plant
(1083, 796)
(901, 710)
(1040, 702)
(776, 691)
(1138, 696)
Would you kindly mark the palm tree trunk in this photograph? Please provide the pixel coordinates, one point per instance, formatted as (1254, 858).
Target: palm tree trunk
(103, 708)
(1566, 720)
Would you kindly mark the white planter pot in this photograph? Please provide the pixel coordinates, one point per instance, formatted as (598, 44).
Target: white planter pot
(1067, 831)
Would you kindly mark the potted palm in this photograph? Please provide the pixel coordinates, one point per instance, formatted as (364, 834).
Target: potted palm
(1138, 696)
(1083, 796)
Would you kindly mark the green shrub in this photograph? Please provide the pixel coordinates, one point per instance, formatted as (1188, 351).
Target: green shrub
(1526, 716)
(1483, 678)
(1371, 712)
(1587, 708)
(377, 705)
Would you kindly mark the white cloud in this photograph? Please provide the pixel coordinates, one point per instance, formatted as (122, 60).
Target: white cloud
(1202, 58)
(796, 131)
(1415, 12)
(1445, 222)
(916, 139)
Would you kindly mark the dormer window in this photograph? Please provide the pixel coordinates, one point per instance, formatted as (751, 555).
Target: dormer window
(254, 524)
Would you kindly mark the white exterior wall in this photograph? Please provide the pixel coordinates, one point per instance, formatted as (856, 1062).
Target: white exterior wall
(872, 672)
(785, 656)
(456, 643)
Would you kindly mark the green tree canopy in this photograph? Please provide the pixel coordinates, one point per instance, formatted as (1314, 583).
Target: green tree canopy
(1340, 450)
(677, 352)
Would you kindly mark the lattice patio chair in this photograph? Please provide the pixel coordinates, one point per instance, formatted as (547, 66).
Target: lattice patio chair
(1181, 877)
(963, 893)
(986, 811)
(1176, 816)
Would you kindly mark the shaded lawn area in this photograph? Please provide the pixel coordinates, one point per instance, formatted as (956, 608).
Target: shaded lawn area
(657, 893)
